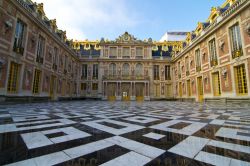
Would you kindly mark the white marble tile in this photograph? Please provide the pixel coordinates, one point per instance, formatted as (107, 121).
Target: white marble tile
(88, 148)
(232, 133)
(189, 147)
(127, 127)
(154, 136)
(217, 122)
(29, 118)
(230, 146)
(131, 158)
(188, 130)
(194, 119)
(5, 116)
(86, 118)
(39, 139)
(141, 119)
(235, 162)
(35, 140)
(138, 147)
(213, 159)
(71, 134)
(29, 162)
(73, 115)
(8, 128)
(150, 151)
(51, 159)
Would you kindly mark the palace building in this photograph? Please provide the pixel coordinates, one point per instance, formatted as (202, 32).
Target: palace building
(38, 62)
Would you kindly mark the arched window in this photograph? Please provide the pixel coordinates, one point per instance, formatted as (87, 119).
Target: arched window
(139, 69)
(125, 69)
(112, 69)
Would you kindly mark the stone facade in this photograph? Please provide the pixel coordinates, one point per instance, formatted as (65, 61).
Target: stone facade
(218, 71)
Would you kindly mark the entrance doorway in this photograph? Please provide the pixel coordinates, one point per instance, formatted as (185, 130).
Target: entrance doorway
(111, 91)
(139, 91)
(52, 87)
(126, 91)
(216, 84)
(200, 89)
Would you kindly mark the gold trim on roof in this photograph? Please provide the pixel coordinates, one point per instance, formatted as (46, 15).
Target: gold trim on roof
(87, 44)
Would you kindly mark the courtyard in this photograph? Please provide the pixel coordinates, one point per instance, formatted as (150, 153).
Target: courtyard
(125, 133)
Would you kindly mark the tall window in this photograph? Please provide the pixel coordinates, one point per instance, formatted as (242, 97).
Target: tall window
(156, 72)
(13, 77)
(84, 71)
(112, 69)
(95, 71)
(55, 57)
(198, 60)
(36, 82)
(125, 69)
(187, 66)
(126, 52)
(65, 63)
(19, 37)
(241, 80)
(139, 51)
(236, 43)
(40, 49)
(113, 52)
(139, 70)
(179, 69)
(167, 73)
(212, 51)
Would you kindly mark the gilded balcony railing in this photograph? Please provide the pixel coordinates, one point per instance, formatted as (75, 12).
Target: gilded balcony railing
(237, 53)
(198, 68)
(213, 62)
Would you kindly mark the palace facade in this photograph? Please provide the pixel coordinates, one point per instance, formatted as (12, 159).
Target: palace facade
(37, 61)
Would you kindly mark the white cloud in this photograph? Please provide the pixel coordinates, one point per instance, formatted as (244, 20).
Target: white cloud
(75, 16)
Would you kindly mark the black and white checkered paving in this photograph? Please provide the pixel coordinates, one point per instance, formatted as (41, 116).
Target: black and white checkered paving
(125, 134)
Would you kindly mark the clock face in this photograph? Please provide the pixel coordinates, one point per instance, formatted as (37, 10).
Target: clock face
(126, 37)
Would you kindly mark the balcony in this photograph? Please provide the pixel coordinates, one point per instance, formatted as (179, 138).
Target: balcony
(18, 50)
(214, 62)
(237, 53)
(198, 68)
(39, 59)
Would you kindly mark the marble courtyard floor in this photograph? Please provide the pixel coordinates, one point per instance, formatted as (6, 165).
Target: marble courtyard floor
(126, 134)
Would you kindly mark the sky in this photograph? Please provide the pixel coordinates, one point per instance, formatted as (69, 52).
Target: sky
(94, 19)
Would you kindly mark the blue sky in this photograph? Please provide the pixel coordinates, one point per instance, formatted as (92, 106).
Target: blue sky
(93, 19)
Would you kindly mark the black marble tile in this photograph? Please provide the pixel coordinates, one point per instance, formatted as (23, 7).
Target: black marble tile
(165, 143)
(170, 159)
